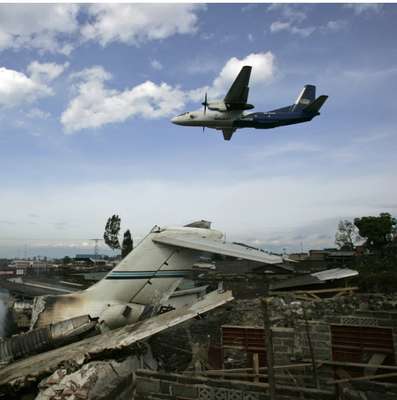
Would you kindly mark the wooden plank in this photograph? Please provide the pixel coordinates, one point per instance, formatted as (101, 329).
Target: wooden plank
(269, 344)
(376, 359)
(352, 364)
(255, 364)
(218, 382)
(316, 291)
(231, 370)
(363, 378)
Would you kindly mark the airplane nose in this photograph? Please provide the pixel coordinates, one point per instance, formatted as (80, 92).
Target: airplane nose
(175, 120)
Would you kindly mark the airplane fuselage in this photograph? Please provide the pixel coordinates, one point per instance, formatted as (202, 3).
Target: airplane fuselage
(237, 119)
(145, 277)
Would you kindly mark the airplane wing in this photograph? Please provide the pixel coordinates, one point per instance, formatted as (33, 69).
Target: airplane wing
(228, 133)
(219, 247)
(238, 92)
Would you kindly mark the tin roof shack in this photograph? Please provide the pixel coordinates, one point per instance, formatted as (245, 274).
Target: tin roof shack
(315, 260)
(352, 338)
(326, 279)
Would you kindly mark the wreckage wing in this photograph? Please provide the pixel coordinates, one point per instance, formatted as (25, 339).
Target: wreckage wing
(23, 373)
(218, 247)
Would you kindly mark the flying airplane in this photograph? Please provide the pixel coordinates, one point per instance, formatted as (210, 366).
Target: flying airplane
(228, 115)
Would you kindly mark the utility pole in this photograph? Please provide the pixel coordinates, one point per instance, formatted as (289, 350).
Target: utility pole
(312, 357)
(95, 249)
(269, 343)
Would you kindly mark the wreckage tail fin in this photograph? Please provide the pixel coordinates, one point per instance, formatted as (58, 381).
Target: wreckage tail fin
(141, 282)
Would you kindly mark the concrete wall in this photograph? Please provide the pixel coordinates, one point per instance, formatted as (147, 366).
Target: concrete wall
(153, 385)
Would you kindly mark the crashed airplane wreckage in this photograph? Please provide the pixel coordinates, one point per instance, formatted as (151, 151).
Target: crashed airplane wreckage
(140, 287)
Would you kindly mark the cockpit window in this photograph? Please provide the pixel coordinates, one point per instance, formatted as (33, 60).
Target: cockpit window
(180, 115)
(192, 116)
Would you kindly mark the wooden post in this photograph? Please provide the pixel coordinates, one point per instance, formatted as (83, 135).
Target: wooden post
(309, 342)
(269, 344)
(255, 365)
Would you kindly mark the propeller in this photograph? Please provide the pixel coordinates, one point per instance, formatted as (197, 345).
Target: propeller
(205, 103)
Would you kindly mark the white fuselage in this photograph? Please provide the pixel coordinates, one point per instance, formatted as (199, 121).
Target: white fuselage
(211, 119)
(142, 281)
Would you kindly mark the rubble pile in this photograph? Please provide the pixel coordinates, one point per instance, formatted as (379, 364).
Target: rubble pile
(104, 380)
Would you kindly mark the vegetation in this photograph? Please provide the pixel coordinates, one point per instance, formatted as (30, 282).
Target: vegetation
(127, 245)
(378, 231)
(112, 230)
(378, 264)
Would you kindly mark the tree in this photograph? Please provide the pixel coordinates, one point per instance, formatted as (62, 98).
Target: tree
(111, 238)
(378, 231)
(347, 235)
(112, 229)
(127, 245)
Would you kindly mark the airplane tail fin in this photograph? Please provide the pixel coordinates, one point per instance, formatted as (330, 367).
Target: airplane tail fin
(306, 96)
(314, 107)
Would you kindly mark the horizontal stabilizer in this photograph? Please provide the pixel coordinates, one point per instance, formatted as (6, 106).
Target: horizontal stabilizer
(315, 106)
(219, 247)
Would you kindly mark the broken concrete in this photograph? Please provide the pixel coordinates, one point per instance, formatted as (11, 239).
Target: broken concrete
(101, 380)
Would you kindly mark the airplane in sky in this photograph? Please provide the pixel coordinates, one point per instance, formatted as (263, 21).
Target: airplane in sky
(228, 115)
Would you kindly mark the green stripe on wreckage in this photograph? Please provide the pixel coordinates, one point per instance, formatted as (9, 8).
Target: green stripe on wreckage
(148, 274)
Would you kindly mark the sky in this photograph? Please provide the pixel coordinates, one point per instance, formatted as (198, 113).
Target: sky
(86, 97)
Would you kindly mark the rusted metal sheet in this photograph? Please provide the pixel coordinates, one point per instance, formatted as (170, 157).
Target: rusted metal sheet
(248, 338)
(359, 344)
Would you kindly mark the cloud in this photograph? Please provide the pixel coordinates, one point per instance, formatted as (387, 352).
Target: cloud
(292, 16)
(334, 26)
(155, 64)
(290, 12)
(17, 88)
(279, 207)
(38, 113)
(279, 26)
(365, 8)
(95, 104)
(38, 26)
(45, 72)
(138, 23)
(329, 27)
